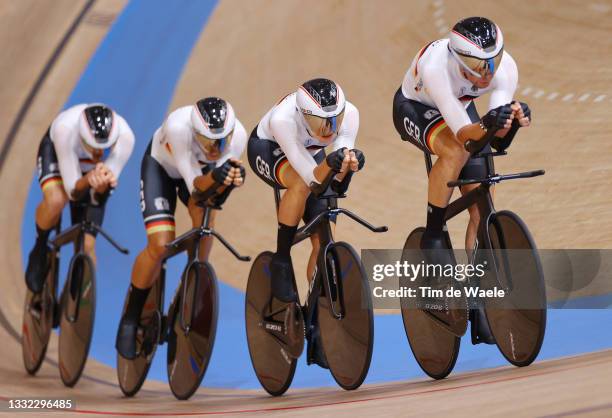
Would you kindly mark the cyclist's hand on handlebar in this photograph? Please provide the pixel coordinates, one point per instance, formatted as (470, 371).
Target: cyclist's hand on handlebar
(522, 113)
(336, 159)
(357, 160)
(107, 175)
(499, 118)
(223, 174)
(237, 172)
(98, 178)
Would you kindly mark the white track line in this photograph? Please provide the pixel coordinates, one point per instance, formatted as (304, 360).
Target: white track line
(584, 97)
(568, 97)
(538, 94)
(526, 91)
(553, 95)
(599, 98)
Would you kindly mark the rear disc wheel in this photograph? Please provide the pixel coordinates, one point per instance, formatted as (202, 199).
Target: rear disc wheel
(348, 341)
(518, 328)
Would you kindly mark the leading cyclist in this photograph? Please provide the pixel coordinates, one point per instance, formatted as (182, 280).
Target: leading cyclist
(434, 110)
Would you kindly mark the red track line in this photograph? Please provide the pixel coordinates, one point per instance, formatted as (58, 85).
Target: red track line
(322, 404)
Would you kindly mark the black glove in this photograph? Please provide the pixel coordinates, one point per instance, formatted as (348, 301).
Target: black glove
(501, 144)
(526, 112)
(496, 118)
(335, 158)
(220, 173)
(360, 158)
(341, 187)
(219, 199)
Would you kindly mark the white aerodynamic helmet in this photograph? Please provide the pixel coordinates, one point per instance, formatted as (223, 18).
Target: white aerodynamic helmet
(478, 45)
(98, 126)
(321, 103)
(213, 121)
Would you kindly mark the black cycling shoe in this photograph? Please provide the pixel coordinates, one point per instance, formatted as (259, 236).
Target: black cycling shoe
(126, 338)
(281, 270)
(436, 250)
(37, 268)
(316, 355)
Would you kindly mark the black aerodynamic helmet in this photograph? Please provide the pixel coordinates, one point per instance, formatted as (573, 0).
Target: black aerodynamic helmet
(97, 126)
(477, 44)
(213, 121)
(321, 102)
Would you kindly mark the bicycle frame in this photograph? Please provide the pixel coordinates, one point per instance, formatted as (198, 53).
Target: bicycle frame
(76, 234)
(480, 196)
(321, 223)
(190, 241)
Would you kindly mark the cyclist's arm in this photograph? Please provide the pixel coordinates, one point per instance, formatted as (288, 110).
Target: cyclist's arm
(285, 133)
(348, 133)
(239, 140)
(64, 138)
(179, 138)
(504, 82)
(438, 85)
(122, 150)
(238, 144)
(504, 87)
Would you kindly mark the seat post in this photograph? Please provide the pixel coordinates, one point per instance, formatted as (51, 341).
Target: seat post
(277, 199)
(428, 163)
(206, 217)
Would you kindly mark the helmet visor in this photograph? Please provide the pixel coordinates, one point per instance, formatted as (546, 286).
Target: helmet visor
(479, 67)
(323, 126)
(211, 146)
(102, 153)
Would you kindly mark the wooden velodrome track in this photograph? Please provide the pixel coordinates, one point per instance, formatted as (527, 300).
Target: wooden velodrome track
(255, 52)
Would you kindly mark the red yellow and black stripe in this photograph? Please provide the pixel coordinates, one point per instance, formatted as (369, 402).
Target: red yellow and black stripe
(51, 181)
(160, 226)
(433, 132)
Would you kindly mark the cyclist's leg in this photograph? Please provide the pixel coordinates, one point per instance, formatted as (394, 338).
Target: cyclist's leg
(158, 203)
(48, 212)
(425, 128)
(313, 207)
(474, 168)
(270, 164)
(86, 209)
(197, 212)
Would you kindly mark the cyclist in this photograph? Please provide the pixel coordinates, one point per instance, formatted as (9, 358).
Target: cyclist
(286, 150)
(193, 154)
(80, 158)
(434, 110)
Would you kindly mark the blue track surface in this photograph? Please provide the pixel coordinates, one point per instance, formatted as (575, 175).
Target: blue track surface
(135, 70)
